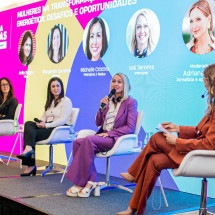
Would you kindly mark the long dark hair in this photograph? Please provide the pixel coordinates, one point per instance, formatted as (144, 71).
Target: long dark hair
(10, 93)
(21, 53)
(104, 37)
(50, 50)
(50, 96)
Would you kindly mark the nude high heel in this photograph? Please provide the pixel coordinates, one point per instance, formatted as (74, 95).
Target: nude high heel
(129, 211)
(127, 176)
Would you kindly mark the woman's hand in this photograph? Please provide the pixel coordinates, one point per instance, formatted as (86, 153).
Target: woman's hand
(170, 126)
(170, 138)
(105, 100)
(41, 124)
(103, 135)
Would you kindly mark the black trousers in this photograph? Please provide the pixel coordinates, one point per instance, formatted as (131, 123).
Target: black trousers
(32, 134)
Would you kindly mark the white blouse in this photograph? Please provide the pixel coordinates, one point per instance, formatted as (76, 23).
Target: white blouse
(110, 116)
(59, 115)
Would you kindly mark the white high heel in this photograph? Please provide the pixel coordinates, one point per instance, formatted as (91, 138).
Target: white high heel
(73, 191)
(85, 192)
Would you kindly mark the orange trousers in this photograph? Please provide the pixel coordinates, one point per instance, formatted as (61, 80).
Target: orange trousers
(147, 167)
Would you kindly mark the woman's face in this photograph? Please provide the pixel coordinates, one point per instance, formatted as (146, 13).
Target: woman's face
(95, 43)
(117, 84)
(27, 47)
(198, 23)
(56, 40)
(142, 30)
(55, 88)
(5, 87)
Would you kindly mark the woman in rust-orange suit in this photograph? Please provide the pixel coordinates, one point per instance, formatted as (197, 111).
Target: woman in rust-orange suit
(164, 151)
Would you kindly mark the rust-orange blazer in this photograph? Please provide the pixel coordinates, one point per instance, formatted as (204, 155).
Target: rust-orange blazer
(192, 138)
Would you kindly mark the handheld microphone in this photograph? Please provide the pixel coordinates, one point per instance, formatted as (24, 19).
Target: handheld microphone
(37, 120)
(112, 92)
(203, 95)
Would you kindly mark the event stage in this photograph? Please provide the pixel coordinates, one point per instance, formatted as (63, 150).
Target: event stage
(47, 195)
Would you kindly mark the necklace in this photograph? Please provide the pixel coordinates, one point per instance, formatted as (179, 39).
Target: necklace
(197, 51)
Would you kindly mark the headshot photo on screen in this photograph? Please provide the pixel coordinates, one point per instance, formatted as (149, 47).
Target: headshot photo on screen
(143, 32)
(27, 48)
(95, 39)
(57, 43)
(198, 28)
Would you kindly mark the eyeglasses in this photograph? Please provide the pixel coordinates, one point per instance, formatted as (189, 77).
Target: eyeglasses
(4, 85)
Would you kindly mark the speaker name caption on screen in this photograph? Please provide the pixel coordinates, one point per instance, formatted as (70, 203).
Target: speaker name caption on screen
(56, 71)
(94, 71)
(25, 74)
(193, 74)
(141, 69)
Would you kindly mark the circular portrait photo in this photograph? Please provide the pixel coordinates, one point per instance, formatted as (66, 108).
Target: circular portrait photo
(95, 39)
(27, 47)
(198, 27)
(143, 32)
(57, 43)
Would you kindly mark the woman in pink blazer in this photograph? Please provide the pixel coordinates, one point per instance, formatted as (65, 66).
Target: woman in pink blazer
(117, 117)
(165, 151)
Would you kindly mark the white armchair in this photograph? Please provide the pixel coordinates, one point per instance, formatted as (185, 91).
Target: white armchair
(59, 135)
(200, 164)
(125, 145)
(8, 128)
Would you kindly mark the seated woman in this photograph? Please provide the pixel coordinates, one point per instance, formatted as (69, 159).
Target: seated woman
(116, 118)
(8, 103)
(57, 112)
(165, 150)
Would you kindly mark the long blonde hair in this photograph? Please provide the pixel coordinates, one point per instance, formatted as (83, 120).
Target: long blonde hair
(126, 85)
(151, 43)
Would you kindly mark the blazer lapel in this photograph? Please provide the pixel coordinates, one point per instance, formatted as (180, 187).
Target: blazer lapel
(203, 122)
(121, 110)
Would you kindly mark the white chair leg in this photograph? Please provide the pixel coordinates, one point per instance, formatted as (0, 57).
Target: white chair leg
(70, 156)
(14, 145)
(163, 193)
(109, 183)
(20, 147)
(51, 163)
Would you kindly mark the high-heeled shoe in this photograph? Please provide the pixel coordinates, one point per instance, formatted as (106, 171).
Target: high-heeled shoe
(85, 192)
(129, 211)
(26, 155)
(127, 177)
(32, 172)
(73, 191)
